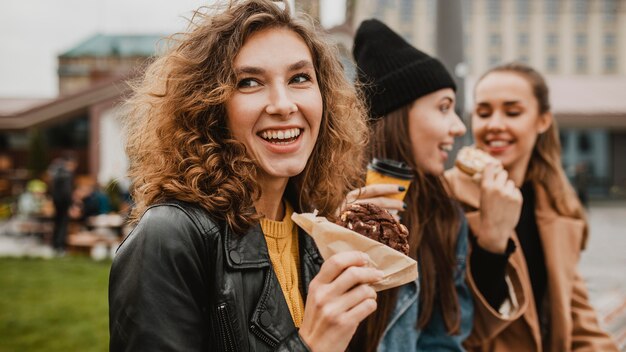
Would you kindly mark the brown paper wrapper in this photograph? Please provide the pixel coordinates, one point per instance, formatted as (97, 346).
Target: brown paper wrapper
(331, 239)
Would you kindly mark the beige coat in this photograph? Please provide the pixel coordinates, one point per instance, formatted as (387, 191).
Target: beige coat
(573, 323)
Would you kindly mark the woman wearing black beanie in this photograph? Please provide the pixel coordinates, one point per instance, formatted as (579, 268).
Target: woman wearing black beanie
(411, 99)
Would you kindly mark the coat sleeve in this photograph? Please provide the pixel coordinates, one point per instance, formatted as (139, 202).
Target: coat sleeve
(488, 322)
(586, 334)
(158, 288)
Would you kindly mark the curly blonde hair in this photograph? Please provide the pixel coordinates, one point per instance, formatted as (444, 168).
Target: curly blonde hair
(178, 141)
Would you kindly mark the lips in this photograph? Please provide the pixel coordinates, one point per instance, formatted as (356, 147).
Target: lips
(446, 147)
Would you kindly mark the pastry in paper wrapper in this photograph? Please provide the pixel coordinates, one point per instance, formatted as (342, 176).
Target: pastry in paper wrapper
(376, 223)
(331, 238)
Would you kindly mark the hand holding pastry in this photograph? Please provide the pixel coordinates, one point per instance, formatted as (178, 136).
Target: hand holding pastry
(500, 208)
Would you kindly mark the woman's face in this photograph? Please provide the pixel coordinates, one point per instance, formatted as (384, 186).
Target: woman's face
(506, 119)
(276, 108)
(433, 125)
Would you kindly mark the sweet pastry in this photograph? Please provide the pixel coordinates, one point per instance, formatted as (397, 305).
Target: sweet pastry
(472, 160)
(377, 224)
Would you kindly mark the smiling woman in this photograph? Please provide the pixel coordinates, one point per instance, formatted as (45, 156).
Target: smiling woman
(246, 120)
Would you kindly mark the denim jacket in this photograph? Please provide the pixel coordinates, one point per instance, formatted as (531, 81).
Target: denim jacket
(401, 334)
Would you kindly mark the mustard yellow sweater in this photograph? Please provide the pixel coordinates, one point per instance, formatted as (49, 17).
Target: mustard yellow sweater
(282, 243)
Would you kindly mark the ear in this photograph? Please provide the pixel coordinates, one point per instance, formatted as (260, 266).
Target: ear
(544, 122)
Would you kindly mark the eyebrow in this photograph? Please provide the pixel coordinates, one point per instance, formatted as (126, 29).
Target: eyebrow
(506, 103)
(253, 70)
(509, 103)
(451, 99)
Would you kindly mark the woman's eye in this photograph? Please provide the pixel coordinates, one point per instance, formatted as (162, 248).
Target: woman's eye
(483, 113)
(248, 83)
(300, 78)
(513, 113)
(444, 108)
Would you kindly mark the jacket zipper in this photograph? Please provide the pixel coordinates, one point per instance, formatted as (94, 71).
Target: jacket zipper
(260, 334)
(226, 329)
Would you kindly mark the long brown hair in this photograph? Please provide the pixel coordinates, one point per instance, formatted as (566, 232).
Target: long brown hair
(432, 218)
(544, 168)
(178, 142)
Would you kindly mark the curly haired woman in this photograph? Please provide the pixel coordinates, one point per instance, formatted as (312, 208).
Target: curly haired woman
(245, 120)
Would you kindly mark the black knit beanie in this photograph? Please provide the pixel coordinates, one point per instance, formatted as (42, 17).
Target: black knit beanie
(393, 72)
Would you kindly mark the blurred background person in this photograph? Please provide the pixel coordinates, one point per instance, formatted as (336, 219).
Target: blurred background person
(411, 99)
(62, 190)
(534, 262)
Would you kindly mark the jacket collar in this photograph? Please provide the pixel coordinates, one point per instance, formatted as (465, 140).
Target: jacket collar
(246, 251)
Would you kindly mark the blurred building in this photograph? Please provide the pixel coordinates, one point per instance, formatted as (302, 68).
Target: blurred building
(102, 57)
(580, 45)
(82, 119)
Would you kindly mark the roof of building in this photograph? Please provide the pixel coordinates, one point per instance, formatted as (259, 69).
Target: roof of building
(14, 106)
(102, 45)
(63, 107)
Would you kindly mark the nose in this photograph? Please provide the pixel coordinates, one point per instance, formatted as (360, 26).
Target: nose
(280, 103)
(495, 122)
(458, 127)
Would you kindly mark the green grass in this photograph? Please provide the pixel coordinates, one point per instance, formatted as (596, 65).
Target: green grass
(53, 305)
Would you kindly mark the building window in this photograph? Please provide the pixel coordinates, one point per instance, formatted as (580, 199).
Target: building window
(552, 39)
(552, 63)
(493, 10)
(494, 39)
(581, 39)
(610, 65)
(523, 9)
(584, 142)
(610, 9)
(494, 60)
(552, 9)
(581, 7)
(406, 13)
(563, 139)
(523, 59)
(522, 39)
(381, 6)
(609, 40)
(581, 63)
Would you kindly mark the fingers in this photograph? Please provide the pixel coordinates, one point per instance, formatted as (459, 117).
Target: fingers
(374, 190)
(361, 310)
(494, 176)
(336, 264)
(354, 276)
(384, 202)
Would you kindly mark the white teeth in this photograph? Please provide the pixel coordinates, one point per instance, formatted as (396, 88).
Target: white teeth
(281, 134)
(498, 144)
(447, 147)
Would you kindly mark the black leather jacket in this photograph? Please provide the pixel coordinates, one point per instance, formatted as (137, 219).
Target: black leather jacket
(182, 282)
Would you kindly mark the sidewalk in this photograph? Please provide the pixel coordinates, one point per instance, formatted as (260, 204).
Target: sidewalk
(602, 265)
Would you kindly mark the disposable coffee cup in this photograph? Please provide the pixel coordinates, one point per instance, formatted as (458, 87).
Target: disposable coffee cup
(387, 171)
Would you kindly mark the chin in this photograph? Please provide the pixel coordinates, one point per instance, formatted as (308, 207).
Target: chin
(284, 172)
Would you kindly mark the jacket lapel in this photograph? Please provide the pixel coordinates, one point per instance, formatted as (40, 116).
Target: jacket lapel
(562, 239)
(271, 319)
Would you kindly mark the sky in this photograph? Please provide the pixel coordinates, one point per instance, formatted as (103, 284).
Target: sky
(34, 32)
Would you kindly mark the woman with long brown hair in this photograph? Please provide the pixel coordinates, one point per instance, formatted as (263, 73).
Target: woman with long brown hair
(411, 99)
(529, 295)
(247, 118)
